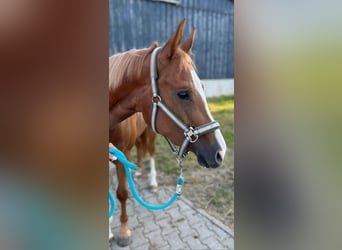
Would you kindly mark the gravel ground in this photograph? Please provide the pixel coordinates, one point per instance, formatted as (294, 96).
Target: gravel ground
(209, 189)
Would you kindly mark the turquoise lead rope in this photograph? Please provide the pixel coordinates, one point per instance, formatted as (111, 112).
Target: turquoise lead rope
(111, 204)
(129, 165)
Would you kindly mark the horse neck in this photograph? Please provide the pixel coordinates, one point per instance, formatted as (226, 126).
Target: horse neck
(126, 99)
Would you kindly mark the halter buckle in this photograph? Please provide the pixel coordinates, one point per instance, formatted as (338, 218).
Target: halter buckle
(156, 99)
(190, 135)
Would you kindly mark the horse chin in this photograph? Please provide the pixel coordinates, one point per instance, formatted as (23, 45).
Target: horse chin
(208, 164)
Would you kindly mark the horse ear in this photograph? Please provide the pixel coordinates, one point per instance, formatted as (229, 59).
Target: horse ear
(188, 43)
(172, 44)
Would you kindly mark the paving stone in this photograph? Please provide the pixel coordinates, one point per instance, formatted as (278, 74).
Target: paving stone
(203, 231)
(175, 241)
(166, 247)
(225, 238)
(144, 214)
(195, 243)
(228, 242)
(213, 243)
(193, 216)
(150, 225)
(183, 206)
(139, 239)
(147, 195)
(163, 192)
(167, 227)
(165, 196)
(175, 214)
(159, 215)
(185, 230)
(217, 225)
(180, 226)
(156, 239)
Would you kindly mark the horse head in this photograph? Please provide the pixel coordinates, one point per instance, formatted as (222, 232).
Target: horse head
(181, 91)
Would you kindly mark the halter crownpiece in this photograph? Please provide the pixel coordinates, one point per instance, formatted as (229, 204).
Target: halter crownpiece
(190, 134)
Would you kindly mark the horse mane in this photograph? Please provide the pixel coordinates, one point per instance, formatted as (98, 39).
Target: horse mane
(130, 62)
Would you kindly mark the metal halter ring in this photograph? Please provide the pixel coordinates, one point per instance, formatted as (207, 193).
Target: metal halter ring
(190, 135)
(156, 99)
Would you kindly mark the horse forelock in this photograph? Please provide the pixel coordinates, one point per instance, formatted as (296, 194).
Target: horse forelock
(127, 63)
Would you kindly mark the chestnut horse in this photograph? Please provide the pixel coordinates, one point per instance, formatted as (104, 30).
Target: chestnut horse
(178, 110)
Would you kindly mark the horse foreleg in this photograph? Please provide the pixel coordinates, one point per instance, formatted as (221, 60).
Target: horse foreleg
(111, 235)
(125, 235)
(140, 153)
(153, 176)
(152, 151)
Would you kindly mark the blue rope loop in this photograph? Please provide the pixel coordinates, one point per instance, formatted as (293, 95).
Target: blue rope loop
(122, 158)
(129, 165)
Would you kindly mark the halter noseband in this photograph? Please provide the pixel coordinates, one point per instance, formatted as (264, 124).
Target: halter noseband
(190, 134)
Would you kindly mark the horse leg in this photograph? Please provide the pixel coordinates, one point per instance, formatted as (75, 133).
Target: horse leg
(153, 172)
(153, 176)
(140, 153)
(125, 235)
(111, 235)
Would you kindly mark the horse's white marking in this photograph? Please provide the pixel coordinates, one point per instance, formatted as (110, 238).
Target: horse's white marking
(111, 235)
(153, 174)
(198, 86)
(222, 143)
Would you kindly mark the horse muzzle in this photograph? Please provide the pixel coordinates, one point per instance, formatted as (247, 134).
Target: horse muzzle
(210, 153)
(209, 159)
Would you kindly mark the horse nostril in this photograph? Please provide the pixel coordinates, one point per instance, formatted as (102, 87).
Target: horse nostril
(218, 158)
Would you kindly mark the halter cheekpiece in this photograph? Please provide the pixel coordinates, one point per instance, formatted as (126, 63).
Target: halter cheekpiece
(190, 134)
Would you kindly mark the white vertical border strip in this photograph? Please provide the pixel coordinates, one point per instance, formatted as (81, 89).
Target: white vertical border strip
(218, 87)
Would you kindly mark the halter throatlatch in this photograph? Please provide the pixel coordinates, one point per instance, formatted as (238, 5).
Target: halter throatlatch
(190, 134)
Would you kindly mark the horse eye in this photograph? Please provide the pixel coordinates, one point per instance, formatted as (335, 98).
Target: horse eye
(184, 95)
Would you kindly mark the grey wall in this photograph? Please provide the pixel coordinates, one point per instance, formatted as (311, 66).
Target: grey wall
(138, 23)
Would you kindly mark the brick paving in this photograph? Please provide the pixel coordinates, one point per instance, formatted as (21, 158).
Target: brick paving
(180, 226)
